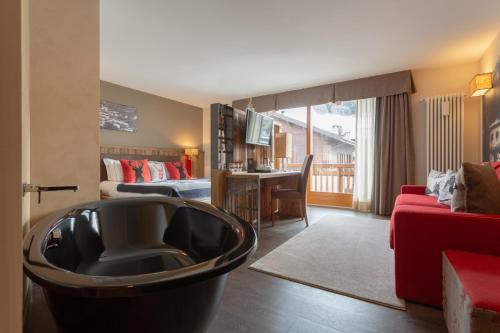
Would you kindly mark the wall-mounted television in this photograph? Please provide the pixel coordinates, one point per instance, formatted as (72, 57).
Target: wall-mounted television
(259, 128)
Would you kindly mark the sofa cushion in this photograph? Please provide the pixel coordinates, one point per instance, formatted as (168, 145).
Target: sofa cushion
(419, 200)
(411, 201)
(482, 189)
(434, 180)
(458, 197)
(446, 188)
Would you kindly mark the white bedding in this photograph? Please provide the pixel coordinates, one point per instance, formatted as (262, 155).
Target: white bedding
(109, 188)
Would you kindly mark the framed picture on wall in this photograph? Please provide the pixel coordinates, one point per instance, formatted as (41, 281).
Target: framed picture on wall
(491, 119)
(117, 117)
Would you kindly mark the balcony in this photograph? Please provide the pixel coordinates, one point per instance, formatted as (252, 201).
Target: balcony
(329, 178)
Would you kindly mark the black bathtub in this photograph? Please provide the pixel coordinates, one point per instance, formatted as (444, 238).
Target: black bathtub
(136, 265)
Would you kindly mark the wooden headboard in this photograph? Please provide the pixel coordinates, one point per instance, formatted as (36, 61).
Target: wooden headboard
(138, 153)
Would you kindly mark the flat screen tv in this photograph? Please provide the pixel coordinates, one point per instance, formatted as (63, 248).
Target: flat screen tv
(259, 129)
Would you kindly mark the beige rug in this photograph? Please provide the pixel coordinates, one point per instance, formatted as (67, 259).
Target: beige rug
(343, 254)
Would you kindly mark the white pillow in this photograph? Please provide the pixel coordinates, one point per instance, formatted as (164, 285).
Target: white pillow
(158, 171)
(446, 187)
(113, 169)
(434, 180)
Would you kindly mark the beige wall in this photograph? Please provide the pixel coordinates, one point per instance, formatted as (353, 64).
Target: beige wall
(489, 58)
(440, 81)
(487, 63)
(64, 42)
(161, 122)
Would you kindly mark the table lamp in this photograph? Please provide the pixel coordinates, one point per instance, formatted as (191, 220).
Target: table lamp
(190, 152)
(283, 147)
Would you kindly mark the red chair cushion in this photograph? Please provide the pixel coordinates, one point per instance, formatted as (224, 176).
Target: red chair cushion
(136, 171)
(480, 277)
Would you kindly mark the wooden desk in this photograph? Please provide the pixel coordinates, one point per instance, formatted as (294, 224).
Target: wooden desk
(248, 195)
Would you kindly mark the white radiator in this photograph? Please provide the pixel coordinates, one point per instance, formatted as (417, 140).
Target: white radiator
(445, 129)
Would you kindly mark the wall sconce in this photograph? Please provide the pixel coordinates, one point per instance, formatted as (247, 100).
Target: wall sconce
(190, 152)
(480, 84)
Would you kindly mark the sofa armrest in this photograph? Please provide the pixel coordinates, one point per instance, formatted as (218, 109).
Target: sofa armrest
(413, 189)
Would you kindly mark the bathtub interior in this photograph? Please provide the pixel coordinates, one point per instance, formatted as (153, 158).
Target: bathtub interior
(137, 238)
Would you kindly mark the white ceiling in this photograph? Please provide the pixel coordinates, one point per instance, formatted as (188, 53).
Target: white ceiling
(205, 51)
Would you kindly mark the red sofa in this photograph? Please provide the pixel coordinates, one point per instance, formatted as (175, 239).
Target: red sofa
(421, 229)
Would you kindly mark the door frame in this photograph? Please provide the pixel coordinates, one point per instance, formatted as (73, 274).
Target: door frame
(14, 102)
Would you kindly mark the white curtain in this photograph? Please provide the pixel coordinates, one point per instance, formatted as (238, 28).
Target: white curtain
(364, 158)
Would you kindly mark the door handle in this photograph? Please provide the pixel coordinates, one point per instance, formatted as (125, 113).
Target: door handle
(27, 188)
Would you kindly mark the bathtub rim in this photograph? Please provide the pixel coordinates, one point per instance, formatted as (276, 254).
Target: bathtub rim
(58, 280)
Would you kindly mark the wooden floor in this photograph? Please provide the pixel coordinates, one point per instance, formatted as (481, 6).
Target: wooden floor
(256, 302)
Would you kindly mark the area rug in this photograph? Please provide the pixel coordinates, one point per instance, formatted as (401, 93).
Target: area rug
(342, 254)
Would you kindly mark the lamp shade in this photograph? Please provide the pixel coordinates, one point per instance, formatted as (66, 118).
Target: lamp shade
(191, 151)
(480, 84)
(283, 145)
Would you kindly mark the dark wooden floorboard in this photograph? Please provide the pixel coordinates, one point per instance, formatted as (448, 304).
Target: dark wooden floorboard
(256, 302)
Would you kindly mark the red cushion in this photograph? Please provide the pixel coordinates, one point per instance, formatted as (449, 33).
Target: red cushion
(136, 171)
(480, 277)
(419, 200)
(177, 170)
(496, 166)
(173, 172)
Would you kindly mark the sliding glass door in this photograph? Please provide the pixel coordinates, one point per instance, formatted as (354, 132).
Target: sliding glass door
(333, 133)
(328, 132)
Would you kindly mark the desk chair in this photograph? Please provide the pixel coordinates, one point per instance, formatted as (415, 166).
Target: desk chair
(298, 193)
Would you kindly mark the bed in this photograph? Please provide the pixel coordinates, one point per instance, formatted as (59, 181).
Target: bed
(196, 188)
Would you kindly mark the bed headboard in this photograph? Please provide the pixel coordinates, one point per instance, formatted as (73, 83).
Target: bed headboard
(138, 153)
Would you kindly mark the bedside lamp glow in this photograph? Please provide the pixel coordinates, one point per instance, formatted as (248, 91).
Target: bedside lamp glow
(191, 152)
(480, 84)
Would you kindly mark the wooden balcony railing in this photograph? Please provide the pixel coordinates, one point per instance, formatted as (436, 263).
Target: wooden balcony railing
(329, 178)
